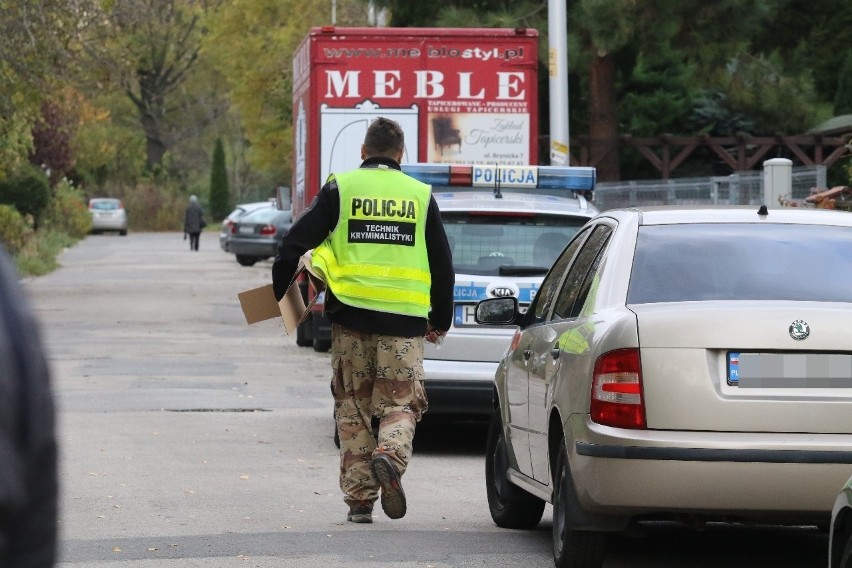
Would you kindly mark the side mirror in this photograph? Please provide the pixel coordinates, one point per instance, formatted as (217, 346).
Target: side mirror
(497, 311)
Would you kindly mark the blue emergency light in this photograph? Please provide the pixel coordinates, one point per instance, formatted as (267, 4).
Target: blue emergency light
(499, 177)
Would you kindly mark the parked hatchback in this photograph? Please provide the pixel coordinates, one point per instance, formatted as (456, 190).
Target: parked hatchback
(677, 363)
(255, 236)
(108, 214)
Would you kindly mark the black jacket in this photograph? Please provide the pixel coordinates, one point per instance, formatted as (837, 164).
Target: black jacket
(314, 226)
(28, 468)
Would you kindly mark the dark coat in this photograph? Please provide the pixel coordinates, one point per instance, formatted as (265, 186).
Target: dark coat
(28, 468)
(193, 221)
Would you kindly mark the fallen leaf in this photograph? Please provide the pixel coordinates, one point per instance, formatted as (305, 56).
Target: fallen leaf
(244, 477)
(116, 549)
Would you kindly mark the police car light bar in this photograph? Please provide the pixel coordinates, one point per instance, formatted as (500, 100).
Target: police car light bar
(567, 178)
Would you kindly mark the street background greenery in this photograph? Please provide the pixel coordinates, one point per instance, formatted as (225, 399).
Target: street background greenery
(151, 101)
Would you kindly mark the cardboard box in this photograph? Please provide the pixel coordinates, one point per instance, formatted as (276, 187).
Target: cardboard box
(259, 304)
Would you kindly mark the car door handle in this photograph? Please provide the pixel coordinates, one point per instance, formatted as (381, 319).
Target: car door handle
(527, 354)
(555, 351)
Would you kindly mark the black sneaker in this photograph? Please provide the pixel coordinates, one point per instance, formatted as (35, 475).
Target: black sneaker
(393, 497)
(360, 512)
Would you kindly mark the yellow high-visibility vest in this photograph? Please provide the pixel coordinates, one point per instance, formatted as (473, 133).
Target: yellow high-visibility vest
(376, 257)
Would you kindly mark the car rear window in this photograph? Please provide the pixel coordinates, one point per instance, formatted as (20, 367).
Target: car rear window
(264, 215)
(700, 262)
(104, 205)
(507, 244)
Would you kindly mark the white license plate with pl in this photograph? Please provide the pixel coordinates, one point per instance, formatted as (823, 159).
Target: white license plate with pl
(463, 315)
(246, 230)
(789, 370)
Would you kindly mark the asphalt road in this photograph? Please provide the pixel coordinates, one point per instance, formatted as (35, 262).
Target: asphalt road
(190, 439)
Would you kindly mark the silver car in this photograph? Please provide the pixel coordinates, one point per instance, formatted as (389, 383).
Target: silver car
(501, 247)
(840, 535)
(108, 214)
(678, 363)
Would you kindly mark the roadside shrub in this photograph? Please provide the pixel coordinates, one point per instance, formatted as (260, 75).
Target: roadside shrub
(28, 191)
(15, 231)
(154, 208)
(68, 211)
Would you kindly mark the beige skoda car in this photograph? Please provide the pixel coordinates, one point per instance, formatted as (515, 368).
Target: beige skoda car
(677, 363)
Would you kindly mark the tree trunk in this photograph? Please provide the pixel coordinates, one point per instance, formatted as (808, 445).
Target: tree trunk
(151, 105)
(155, 147)
(603, 122)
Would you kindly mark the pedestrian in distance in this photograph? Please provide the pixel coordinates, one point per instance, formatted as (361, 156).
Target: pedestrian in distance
(193, 222)
(28, 455)
(379, 244)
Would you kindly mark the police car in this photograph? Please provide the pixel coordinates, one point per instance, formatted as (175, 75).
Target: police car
(506, 226)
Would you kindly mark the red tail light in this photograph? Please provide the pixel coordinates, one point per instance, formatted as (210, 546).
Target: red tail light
(234, 229)
(267, 230)
(617, 390)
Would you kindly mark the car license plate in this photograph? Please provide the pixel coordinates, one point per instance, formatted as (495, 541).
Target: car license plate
(789, 370)
(246, 230)
(464, 315)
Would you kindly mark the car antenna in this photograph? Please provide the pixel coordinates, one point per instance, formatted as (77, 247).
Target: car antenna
(763, 210)
(497, 193)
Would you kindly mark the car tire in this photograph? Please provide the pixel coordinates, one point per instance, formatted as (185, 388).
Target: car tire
(123, 233)
(572, 548)
(322, 345)
(246, 260)
(511, 507)
(846, 559)
(304, 335)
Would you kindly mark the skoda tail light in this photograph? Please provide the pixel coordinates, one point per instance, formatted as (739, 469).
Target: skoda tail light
(617, 390)
(267, 230)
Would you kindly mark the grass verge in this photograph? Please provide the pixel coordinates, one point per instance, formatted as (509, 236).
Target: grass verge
(38, 256)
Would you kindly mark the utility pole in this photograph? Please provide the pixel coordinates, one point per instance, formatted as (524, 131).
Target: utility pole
(557, 40)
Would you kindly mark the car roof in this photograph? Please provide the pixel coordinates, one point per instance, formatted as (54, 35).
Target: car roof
(670, 215)
(485, 201)
(113, 199)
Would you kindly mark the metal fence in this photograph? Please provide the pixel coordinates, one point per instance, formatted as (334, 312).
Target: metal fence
(744, 188)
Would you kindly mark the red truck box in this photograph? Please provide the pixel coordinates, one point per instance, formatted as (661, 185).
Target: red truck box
(463, 96)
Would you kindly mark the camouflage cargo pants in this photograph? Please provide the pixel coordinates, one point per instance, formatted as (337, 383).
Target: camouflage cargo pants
(374, 375)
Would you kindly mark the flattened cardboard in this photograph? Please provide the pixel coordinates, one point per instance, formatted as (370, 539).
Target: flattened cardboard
(259, 304)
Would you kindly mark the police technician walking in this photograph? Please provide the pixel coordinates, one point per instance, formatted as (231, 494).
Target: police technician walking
(379, 242)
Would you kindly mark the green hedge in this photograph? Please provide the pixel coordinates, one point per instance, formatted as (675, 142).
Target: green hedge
(28, 191)
(68, 211)
(15, 229)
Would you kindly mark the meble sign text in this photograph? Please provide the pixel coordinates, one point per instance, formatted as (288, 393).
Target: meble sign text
(429, 84)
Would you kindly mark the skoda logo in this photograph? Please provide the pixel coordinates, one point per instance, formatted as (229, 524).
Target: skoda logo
(502, 292)
(800, 330)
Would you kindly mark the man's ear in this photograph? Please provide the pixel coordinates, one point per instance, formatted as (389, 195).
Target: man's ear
(363, 152)
(399, 157)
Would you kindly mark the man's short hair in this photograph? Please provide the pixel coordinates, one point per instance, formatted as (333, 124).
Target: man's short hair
(384, 138)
